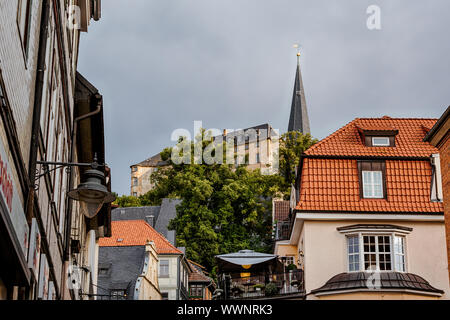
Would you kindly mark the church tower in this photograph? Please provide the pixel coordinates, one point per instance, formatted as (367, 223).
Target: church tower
(299, 120)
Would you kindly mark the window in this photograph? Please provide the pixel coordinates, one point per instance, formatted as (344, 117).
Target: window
(164, 268)
(24, 11)
(258, 158)
(288, 260)
(382, 252)
(399, 252)
(372, 179)
(381, 142)
(196, 291)
(103, 271)
(377, 253)
(165, 295)
(118, 294)
(372, 184)
(134, 169)
(135, 182)
(353, 253)
(135, 194)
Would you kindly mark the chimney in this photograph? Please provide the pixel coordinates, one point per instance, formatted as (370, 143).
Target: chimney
(150, 220)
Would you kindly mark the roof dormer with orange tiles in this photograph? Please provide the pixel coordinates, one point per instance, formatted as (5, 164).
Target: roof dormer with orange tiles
(371, 165)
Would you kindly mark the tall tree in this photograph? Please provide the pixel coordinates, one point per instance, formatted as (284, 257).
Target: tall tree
(292, 146)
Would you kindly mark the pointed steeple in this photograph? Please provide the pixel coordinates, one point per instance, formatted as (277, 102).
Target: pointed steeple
(299, 120)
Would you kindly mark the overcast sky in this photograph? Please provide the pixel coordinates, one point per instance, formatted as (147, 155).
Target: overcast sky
(161, 64)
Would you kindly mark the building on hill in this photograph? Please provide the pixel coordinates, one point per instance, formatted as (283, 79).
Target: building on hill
(366, 221)
(141, 175)
(130, 268)
(255, 146)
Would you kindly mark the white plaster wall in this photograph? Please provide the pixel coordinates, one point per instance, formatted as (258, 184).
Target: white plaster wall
(326, 252)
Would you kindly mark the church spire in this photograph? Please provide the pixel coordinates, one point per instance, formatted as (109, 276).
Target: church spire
(299, 120)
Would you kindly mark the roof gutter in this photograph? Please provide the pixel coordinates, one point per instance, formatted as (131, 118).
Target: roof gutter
(437, 126)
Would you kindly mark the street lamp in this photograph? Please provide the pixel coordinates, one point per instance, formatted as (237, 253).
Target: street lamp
(91, 194)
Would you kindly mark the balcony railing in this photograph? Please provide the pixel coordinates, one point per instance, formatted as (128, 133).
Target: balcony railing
(268, 286)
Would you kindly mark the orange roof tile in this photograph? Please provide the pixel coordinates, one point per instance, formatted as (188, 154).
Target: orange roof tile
(347, 140)
(331, 183)
(129, 233)
(408, 187)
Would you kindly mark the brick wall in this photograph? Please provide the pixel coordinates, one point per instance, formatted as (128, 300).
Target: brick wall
(444, 150)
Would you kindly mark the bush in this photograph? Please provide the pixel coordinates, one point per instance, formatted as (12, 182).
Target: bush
(291, 267)
(271, 290)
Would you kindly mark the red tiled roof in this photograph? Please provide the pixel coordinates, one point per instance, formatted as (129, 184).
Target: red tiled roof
(281, 210)
(129, 233)
(332, 184)
(347, 140)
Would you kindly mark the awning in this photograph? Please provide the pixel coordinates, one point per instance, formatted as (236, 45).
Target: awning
(244, 259)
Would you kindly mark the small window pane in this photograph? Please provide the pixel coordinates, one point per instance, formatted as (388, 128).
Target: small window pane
(381, 142)
(353, 253)
(372, 184)
(399, 251)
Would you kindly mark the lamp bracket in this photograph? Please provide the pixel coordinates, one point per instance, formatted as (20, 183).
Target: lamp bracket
(58, 165)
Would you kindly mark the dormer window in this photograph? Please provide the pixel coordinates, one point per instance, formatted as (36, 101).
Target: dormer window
(381, 142)
(372, 179)
(382, 136)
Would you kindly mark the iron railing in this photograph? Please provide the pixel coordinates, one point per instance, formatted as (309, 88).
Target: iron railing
(267, 286)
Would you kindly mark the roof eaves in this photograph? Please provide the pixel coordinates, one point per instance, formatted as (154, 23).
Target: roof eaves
(438, 124)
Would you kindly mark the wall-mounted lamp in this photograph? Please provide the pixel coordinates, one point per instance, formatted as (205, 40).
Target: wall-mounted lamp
(91, 194)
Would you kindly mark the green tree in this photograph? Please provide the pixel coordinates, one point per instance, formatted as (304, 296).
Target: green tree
(292, 146)
(223, 210)
(127, 201)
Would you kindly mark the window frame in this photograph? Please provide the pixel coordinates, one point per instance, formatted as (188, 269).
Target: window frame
(368, 165)
(392, 234)
(387, 144)
(198, 288)
(23, 20)
(372, 184)
(164, 275)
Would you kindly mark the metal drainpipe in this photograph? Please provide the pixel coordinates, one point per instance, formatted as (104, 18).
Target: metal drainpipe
(39, 87)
